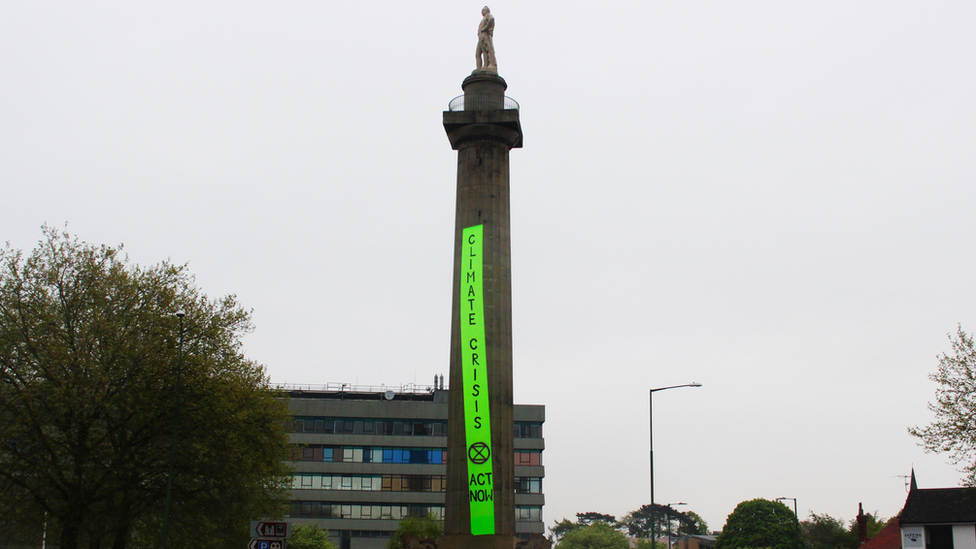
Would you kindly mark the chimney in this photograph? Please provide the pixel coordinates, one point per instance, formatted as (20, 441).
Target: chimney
(862, 525)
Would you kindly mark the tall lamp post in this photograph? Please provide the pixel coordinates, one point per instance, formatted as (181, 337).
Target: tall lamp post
(796, 519)
(176, 424)
(650, 408)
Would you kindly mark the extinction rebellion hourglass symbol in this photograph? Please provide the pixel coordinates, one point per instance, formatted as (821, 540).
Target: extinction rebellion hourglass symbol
(479, 452)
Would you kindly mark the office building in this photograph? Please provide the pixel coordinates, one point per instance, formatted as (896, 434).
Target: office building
(370, 456)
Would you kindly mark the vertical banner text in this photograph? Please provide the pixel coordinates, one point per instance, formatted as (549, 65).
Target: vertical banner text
(474, 363)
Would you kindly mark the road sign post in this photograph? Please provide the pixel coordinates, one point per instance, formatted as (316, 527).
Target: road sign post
(264, 529)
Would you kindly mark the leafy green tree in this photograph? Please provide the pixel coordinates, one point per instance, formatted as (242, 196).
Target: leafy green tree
(954, 428)
(664, 519)
(561, 528)
(89, 347)
(826, 532)
(759, 523)
(423, 527)
(310, 536)
(21, 520)
(591, 517)
(638, 522)
(598, 535)
(564, 526)
(690, 523)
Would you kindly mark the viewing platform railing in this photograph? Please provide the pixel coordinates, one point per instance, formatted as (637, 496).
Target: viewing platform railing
(482, 102)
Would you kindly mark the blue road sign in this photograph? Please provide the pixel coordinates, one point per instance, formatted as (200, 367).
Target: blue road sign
(266, 544)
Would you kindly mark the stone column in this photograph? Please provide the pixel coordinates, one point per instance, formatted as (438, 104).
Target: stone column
(483, 133)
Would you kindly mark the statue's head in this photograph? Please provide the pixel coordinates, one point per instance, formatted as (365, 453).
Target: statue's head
(485, 10)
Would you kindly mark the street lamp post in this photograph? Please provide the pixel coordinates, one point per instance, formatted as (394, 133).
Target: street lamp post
(796, 518)
(650, 408)
(669, 519)
(176, 424)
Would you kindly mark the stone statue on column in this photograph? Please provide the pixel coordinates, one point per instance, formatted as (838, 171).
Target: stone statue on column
(485, 52)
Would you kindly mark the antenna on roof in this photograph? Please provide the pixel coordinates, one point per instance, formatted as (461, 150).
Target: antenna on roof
(906, 478)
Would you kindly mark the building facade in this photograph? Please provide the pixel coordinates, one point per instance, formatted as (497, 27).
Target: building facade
(368, 457)
(938, 518)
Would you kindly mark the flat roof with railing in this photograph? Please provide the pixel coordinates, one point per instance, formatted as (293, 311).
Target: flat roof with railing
(335, 387)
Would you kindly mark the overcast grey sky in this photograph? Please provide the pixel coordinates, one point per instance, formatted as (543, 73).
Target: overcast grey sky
(771, 198)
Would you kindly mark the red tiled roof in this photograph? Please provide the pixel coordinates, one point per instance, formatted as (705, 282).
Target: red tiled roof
(888, 538)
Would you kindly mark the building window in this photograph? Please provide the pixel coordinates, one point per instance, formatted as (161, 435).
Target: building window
(317, 509)
(380, 454)
(528, 457)
(317, 481)
(528, 429)
(528, 513)
(358, 426)
(528, 485)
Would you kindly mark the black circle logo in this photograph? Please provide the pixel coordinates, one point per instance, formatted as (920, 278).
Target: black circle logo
(479, 452)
